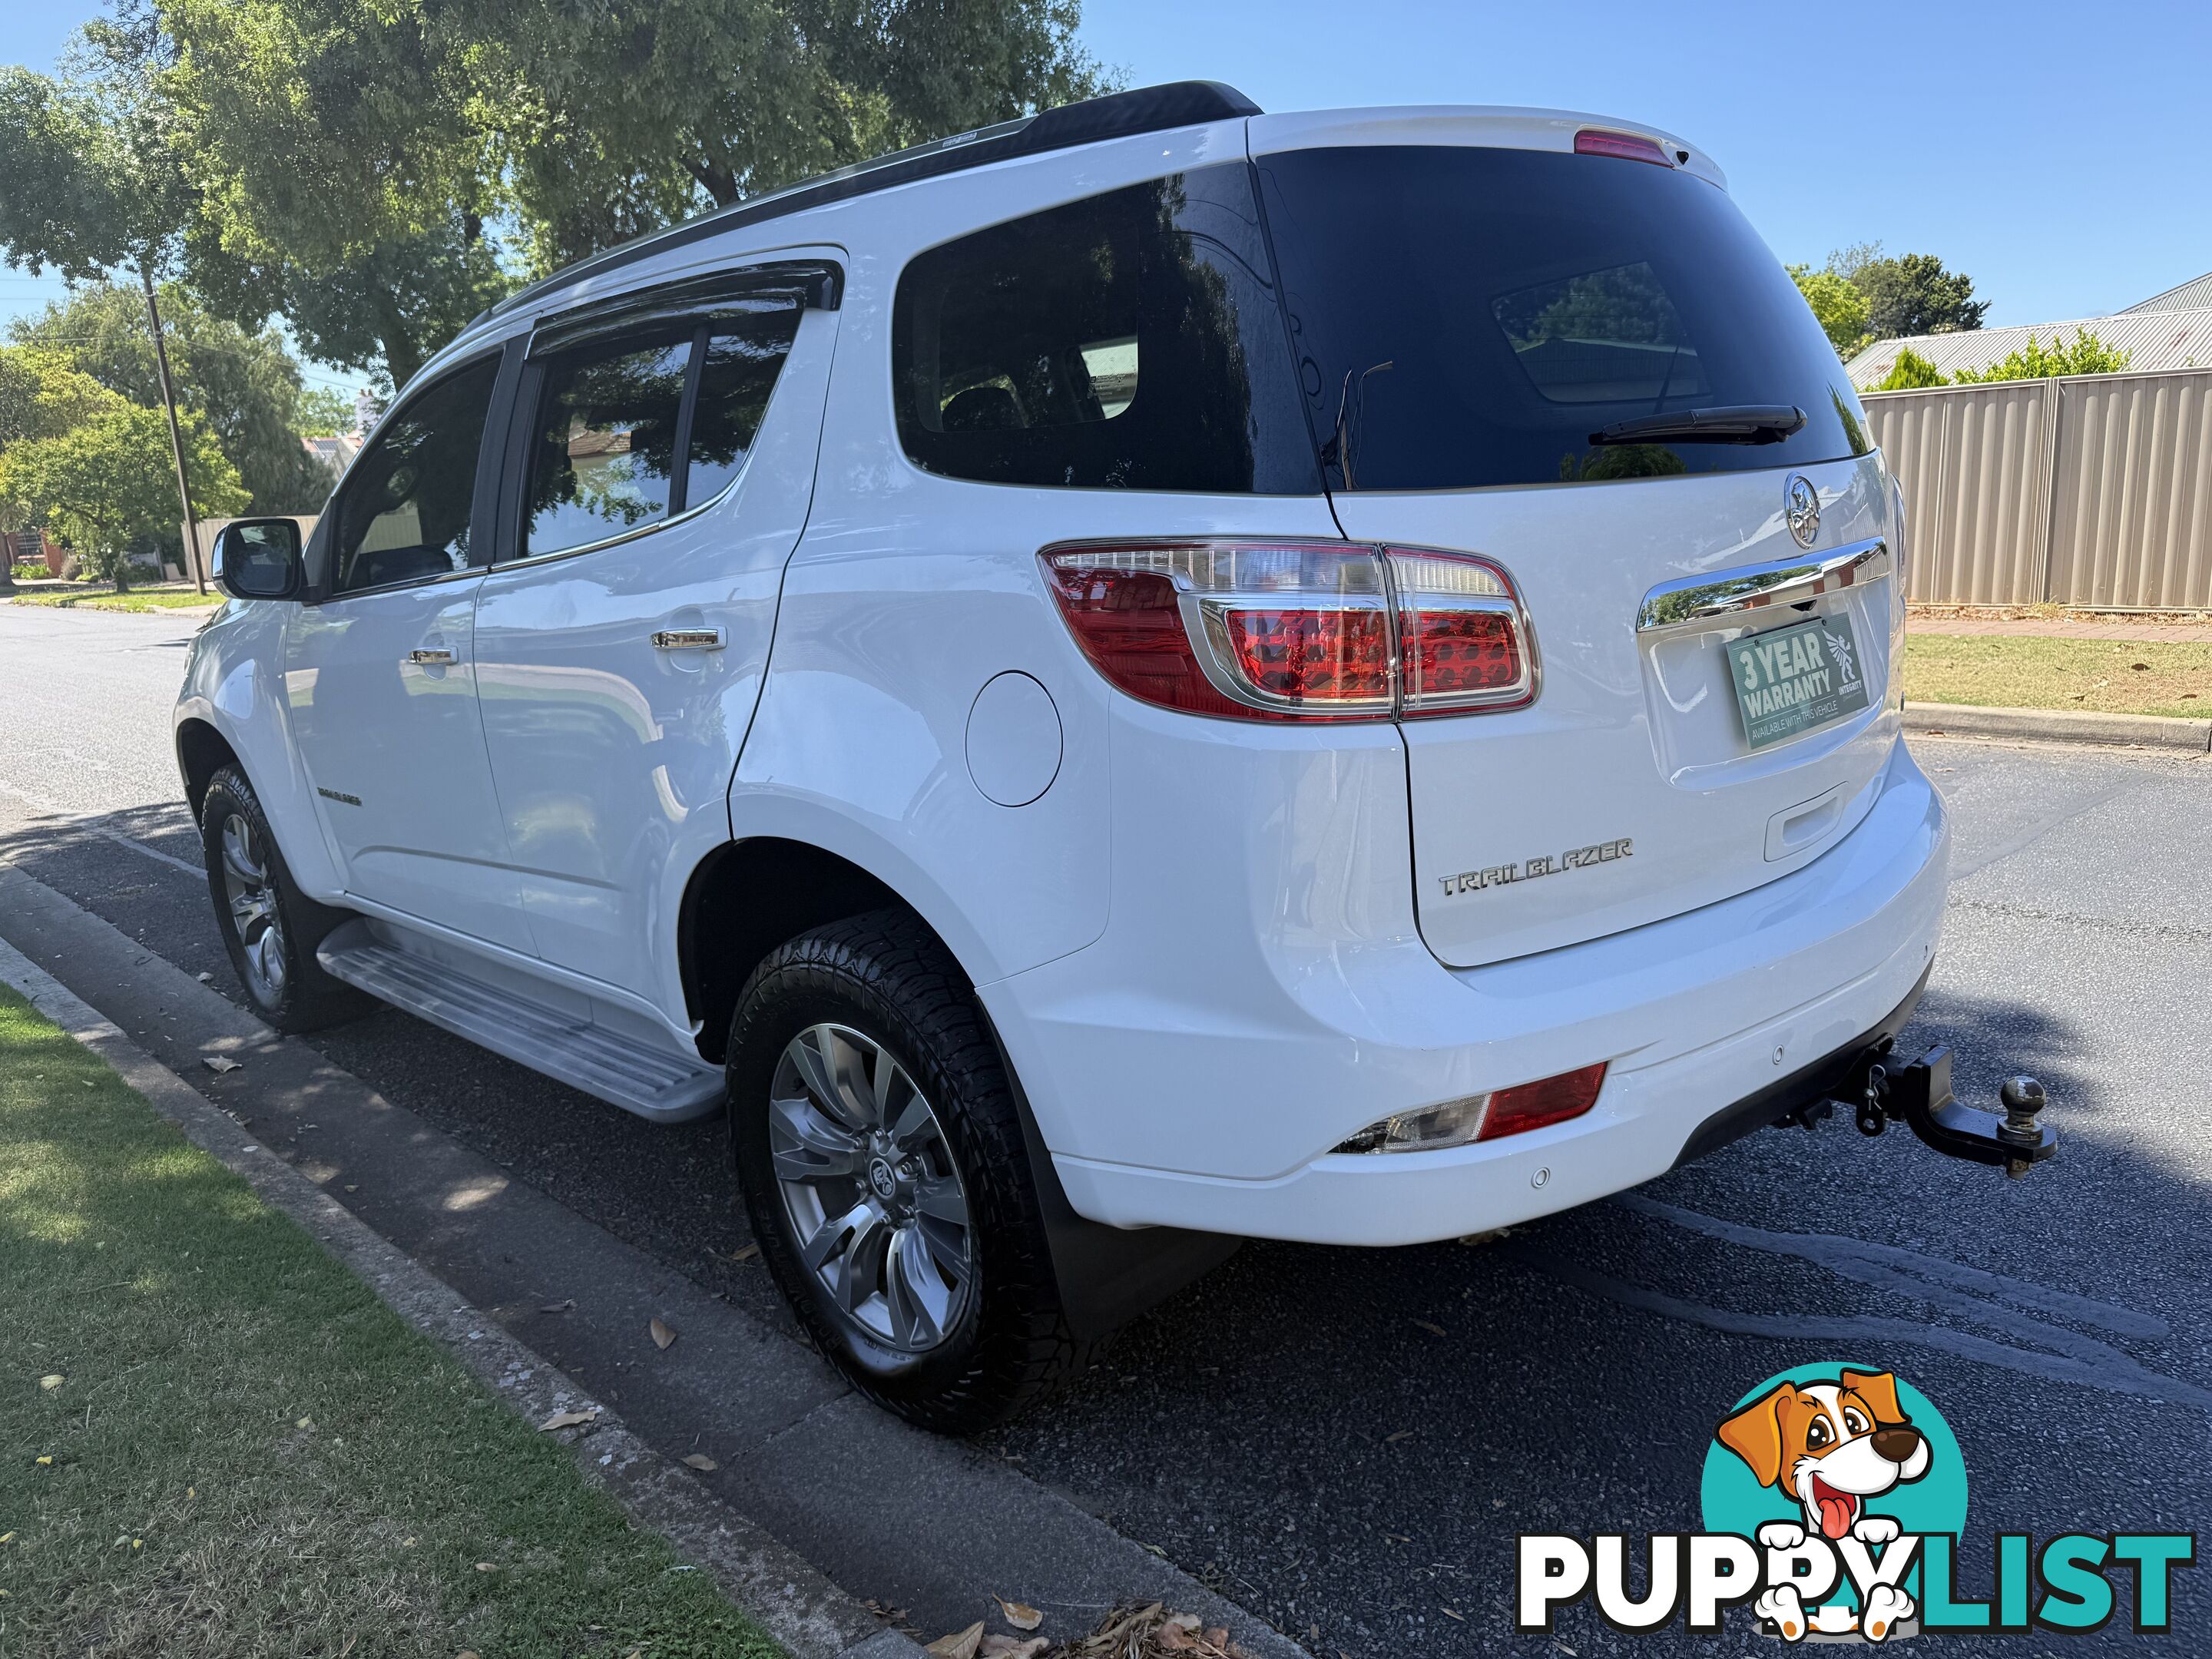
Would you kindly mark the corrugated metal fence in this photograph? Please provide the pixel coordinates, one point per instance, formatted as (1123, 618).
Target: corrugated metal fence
(2095, 490)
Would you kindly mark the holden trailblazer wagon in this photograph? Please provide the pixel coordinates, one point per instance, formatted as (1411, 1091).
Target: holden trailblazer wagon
(1151, 675)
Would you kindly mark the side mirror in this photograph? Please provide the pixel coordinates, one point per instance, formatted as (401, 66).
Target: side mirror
(259, 559)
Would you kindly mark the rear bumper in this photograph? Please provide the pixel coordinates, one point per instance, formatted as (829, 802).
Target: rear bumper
(1164, 1115)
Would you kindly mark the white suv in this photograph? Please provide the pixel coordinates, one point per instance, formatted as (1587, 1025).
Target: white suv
(1140, 678)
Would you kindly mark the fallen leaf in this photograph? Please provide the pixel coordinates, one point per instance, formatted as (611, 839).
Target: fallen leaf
(486, 1566)
(1393, 1439)
(662, 1335)
(700, 1460)
(219, 1063)
(466, 1653)
(751, 1250)
(50, 1383)
(305, 1423)
(204, 979)
(352, 1188)
(1175, 1639)
(1432, 1329)
(7, 1537)
(570, 1419)
(961, 1644)
(1011, 1647)
(1450, 1612)
(1219, 1635)
(2139, 666)
(557, 1307)
(1019, 1614)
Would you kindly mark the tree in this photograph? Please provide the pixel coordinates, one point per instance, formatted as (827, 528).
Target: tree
(1838, 306)
(247, 384)
(1912, 294)
(95, 470)
(322, 412)
(1910, 372)
(2087, 354)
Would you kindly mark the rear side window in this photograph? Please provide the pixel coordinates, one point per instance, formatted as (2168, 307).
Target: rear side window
(634, 426)
(1131, 340)
(1470, 316)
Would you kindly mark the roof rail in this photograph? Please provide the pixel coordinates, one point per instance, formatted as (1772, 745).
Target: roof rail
(1146, 109)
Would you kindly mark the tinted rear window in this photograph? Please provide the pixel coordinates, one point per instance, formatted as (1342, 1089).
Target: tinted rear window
(1131, 341)
(1470, 316)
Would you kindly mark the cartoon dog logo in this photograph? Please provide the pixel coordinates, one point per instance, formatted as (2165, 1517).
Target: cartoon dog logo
(1832, 1446)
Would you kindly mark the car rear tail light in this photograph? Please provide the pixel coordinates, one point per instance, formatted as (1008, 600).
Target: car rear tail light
(1528, 1106)
(1296, 629)
(1483, 1117)
(1627, 146)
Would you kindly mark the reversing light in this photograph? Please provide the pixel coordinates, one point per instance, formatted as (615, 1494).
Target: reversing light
(1626, 146)
(1489, 1116)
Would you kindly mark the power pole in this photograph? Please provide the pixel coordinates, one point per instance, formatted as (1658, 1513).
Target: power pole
(176, 432)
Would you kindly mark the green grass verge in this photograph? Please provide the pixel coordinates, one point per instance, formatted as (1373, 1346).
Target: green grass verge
(2118, 677)
(158, 600)
(246, 1453)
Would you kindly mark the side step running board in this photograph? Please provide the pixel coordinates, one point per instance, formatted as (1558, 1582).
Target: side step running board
(648, 1081)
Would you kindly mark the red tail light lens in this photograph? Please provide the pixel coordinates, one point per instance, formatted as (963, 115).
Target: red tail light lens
(1627, 146)
(1296, 630)
(1463, 642)
(1528, 1106)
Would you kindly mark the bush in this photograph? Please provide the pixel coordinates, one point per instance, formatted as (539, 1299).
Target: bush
(2087, 355)
(1909, 372)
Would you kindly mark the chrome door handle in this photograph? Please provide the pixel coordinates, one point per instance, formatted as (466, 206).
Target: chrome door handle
(1722, 598)
(689, 639)
(430, 657)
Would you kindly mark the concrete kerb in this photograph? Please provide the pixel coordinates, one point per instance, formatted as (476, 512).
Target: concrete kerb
(803, 1610)
(1957, 719)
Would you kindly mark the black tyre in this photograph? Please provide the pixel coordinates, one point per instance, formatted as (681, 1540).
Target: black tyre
(270, 928)
(880, 1153)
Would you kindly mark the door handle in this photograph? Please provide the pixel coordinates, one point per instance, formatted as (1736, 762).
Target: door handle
(432, 658)
(689, 639)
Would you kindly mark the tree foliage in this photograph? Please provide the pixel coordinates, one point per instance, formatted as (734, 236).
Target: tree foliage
(94, 469)
(2084, 354)
(245, 384)
(1909, 294)
(1838, 306)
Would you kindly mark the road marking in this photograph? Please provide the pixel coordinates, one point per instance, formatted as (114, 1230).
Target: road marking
(54, 809)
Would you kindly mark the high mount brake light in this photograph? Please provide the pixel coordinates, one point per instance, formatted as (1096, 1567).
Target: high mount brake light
(1627, 146)
(1297, 630)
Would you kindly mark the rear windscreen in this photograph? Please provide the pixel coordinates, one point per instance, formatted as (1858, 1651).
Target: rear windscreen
(1466, 317)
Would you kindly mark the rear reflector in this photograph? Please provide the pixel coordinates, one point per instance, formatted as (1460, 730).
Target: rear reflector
(1296, 629)
(1483, 1117)
(1528, 1106)
(1627, 146)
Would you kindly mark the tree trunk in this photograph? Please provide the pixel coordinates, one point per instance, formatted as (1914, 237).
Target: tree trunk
(403, 355)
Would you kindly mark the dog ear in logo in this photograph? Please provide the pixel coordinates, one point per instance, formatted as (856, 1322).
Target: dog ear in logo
(1754, 1433)
(1830, 1445)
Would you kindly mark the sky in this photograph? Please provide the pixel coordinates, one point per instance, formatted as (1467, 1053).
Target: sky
(2055, 154)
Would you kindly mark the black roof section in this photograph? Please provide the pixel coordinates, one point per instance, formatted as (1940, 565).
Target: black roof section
(1146, 109)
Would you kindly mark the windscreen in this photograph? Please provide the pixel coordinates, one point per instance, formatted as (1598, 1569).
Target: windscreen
(1467, 316)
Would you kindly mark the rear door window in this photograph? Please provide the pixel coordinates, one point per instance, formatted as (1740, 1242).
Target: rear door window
(1132, 340)
(1467, 316)
(639, 424)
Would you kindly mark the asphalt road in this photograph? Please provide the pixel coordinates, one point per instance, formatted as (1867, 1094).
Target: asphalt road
(1347, 1441)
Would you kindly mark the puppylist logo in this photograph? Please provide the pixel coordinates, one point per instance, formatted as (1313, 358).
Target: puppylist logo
(1834, 1496)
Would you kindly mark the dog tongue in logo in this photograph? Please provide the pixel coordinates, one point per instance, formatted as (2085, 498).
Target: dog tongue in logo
(1837, 1508)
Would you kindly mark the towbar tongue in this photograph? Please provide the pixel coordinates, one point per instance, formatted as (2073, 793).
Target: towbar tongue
(1919, 1095)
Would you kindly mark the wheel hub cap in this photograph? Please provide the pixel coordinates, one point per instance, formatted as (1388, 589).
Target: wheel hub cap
(250, 893)
(869, 1186)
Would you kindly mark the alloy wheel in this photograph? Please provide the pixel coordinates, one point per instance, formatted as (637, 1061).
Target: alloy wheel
(250, 889)
(869, 1186)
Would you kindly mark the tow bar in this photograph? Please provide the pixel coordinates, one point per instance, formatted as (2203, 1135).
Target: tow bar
(1919, 1096)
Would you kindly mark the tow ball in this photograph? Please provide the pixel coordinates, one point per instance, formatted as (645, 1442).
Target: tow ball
(1919, 1096)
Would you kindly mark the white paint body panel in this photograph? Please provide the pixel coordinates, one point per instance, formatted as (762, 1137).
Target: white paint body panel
(612, 756)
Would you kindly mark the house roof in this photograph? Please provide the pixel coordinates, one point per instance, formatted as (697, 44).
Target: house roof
(2194, 294)
(2152, 339)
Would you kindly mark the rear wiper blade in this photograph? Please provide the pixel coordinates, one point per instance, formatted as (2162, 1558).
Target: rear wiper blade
(1722, 423)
